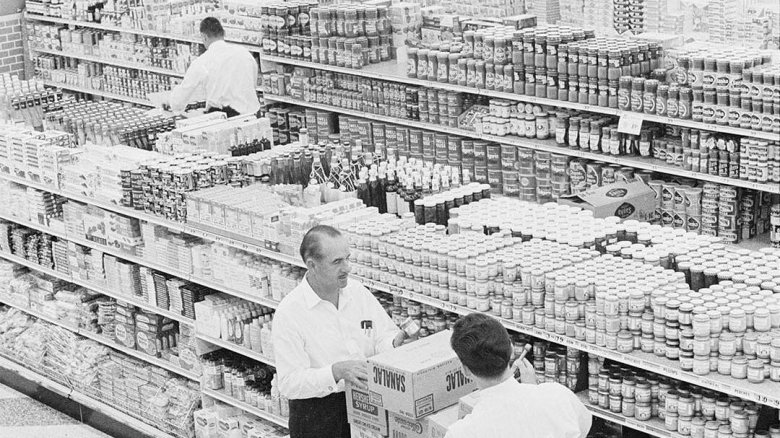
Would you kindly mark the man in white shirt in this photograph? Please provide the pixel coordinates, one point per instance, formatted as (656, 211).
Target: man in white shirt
(225, 75)
(323, 331)
(505, 407)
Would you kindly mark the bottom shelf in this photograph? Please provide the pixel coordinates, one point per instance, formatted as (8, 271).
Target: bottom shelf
(653, 427)
(265, 415)
(81, 398)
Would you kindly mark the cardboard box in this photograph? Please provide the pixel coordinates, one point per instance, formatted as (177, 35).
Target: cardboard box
(466, 404)
(634, 200)
(359, 432)
(364, 414)
(432, 426)
(419, 378)
(440, 422)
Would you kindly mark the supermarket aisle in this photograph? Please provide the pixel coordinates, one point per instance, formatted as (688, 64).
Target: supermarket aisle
(23, 417)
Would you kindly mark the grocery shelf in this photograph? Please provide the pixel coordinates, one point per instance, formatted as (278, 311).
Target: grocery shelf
(83, 399)
(653, 427)
(140, 261)
(265, 415)
(223, 237)
(392, 71)
(113, 28)
(108, 343)
(767, 393)
(654, 165)
(105, 94)
(236, 348)
(109, 61)
(97, 288)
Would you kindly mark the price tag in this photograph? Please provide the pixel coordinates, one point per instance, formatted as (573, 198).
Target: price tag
(630, 124)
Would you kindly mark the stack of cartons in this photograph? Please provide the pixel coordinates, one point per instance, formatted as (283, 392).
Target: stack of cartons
(412, 391)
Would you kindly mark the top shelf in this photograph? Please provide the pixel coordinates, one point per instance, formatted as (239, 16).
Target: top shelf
(392, 71)
(113, 28)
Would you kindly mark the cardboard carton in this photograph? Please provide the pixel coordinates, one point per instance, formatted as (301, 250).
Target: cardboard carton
(359, 432)
(432, 426)
(419, 378)
(633, 200)
(364, 414)
(466, 404)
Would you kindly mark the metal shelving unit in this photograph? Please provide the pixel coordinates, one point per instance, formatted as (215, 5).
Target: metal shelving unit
(114, 28)
(265, 415)
(79, 89)
(82, 398)
(539, 145)
(391, 71)
(109, 61)
(236, 349)
(108, 343)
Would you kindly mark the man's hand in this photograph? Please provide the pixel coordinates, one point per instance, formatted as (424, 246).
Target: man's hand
(354, 372)
(526, 371)
(399, 339)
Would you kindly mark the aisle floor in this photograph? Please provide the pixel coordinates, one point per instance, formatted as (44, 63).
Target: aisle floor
(23, 417)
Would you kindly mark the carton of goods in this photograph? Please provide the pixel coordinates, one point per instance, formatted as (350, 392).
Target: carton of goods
(364, 414)
(432, 426)
(633, 200)
(419, 378)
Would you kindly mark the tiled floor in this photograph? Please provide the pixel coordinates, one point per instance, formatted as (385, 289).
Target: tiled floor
(23, 417)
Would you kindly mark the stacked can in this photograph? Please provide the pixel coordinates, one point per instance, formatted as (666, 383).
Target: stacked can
(693, 198)
(440, 107)
(668, 191)
(774, 224)
(709, 209)
(728, 213)
(543, 162)
(559, 176)
(510, 180)
(558, 364)
(526, 171)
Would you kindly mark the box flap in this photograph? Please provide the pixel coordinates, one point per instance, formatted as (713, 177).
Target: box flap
(418, 355)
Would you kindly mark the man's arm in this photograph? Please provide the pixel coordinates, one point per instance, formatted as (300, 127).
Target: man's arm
(297, 379)
(190, 89)
(388, 335)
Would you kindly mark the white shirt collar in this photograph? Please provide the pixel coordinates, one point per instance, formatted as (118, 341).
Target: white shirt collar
(505, 386)
(311, 299)
(216, 45)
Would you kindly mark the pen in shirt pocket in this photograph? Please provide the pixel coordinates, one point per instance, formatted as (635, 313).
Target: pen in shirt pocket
(367, 326)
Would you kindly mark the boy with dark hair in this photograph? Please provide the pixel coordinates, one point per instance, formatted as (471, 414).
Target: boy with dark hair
(507, 408)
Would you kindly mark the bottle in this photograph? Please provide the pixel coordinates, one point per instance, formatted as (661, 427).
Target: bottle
(373, 189)
(363, 192)
(303, 137)
(255, 336)
(390, 193)
(382, 180)
(265, 340)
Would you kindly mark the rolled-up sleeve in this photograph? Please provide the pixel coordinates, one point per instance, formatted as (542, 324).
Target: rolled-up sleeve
(297, 380)
(191, 88)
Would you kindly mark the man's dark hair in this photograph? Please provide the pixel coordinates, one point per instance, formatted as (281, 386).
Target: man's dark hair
(310, 246)
(482, 345)
(212, 28)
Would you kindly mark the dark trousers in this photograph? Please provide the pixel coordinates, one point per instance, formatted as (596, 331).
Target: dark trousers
(231, 112)
(324, 417)
(225, 109)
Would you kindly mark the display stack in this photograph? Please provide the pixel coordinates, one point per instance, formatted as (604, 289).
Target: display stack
(612, 197)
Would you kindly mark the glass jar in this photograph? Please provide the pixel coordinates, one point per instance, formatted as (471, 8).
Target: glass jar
(755, 372)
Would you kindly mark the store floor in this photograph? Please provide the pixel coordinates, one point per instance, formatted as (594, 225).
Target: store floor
(28, 410)
(23, 417)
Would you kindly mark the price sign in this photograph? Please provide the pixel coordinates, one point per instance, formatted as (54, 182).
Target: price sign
(630, 124)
